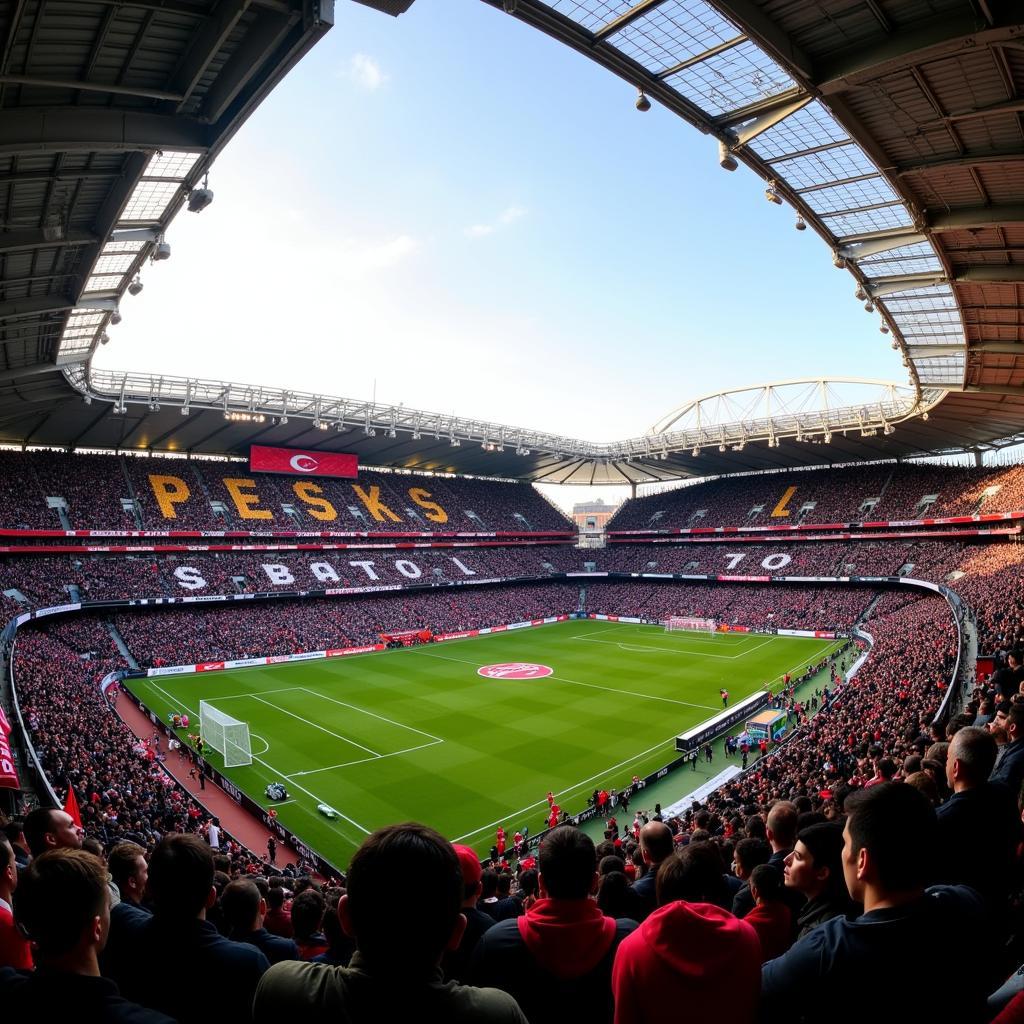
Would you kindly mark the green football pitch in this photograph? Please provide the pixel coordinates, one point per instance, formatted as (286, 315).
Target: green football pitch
(419, 734)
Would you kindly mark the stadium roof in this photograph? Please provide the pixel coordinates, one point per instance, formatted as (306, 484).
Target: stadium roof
(892, 127)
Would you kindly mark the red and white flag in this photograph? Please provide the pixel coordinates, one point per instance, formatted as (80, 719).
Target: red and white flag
(8, 773)
(297, 462)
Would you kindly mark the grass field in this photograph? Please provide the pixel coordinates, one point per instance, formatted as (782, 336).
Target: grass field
(419, 734)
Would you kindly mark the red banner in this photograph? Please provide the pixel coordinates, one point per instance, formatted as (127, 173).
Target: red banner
(297, 462)
(8, 773)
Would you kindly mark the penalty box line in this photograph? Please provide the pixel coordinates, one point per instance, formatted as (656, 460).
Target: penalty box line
(274, 771)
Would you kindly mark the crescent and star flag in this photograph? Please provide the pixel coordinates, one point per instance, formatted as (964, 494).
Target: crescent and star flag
(297, 462)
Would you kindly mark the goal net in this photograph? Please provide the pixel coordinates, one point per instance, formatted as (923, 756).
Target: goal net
(225, 734)
(687, 622)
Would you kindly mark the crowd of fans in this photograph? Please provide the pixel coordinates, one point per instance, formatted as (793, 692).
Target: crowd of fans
(831, 871)
(124, 492)
(855, 494)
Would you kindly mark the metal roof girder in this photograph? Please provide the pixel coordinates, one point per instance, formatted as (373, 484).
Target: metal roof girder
(765, 114)
(881, 243)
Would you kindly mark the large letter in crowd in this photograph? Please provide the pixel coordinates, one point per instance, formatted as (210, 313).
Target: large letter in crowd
(189, 577)
(435, 513)
(325, 572)
(374, 505)
(279, 575)
(781, 510)
(320, 508)
(169, 491)
(246, 503)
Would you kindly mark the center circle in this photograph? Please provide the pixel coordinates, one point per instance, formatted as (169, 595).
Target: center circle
(515, 670)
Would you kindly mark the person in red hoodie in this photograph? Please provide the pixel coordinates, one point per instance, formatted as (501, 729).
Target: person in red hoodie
(770, 918)
(14, 948)
(559, 953)
(688, 953)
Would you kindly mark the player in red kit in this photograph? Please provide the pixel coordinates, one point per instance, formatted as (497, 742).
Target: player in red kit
(500, 844)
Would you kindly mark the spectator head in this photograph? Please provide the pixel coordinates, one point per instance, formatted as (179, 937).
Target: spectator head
(611, 863)
(781, 826)
(47, 828)
(374, 902)
(472, 872)
(129, 871)
(308, 913)
(816, 864)
(64, 906)
(971, 758)
(1015, 721)
(14, 831)
(766, 884)
(8, 869)
(488, 884)
(754, 827)
(242, 907)
(747, 855)
(890, 834)
(694, 875)
(181, 877)
(567, 864)
(655, 842)
(275, 897)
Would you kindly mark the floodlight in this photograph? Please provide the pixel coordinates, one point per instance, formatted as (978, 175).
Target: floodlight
(884, 328)
(800, 223)
(136, 286)
(391, 432)
(87, 399)
(184, 410)
(161, 251)
(895, 344)
(725, 158)
(869, 306)
(200, 198)
(283, 421)
(643, 104)
(104, 338)
(924, 415)
(415, 435)
(115, 318)
(721, 447)
(827, 437)
(771, 195)
(860, 293)
(695, 452)
(838, 261)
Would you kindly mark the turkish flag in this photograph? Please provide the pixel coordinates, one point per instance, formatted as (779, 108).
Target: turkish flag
(71, 807)
(297, 462)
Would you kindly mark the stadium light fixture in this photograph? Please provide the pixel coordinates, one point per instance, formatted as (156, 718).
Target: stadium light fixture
(104, 338)
(136, 286)
(415, 435)
(721, 447)
(838, 261)
(87, 398)
(860, 293)
(115, 318)
(888, 429)
(771, 195)
(924, 416)
(827, 437)
(801, 224)
(200, 198)
(391, 432)
(161, 251)
(695, 452)
(119, 409)
(869, 306)
(884, 328)
(895, 344)
(511, 6)
(643, 104)
(725, 158)
(283, 421)
(185, 410)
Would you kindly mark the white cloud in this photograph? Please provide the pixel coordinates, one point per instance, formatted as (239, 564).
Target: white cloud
(507, 216)
(365, 72)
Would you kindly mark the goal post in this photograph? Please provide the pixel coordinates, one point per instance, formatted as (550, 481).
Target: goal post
(689, 623)
(225, 734)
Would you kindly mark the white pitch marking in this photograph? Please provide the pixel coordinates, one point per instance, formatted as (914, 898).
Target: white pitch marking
(372, 714)
(273, 771)
(299, 718)
(365, 760)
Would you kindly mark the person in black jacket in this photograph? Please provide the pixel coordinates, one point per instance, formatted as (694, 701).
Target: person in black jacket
(244, 910)
(815, 870)
(64, 905)
(178, 942)
(560, 952)
(978, 824)
(1009, 772)
(877, 966)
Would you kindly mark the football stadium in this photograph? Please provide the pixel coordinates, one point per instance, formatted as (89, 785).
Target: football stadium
(319, 704)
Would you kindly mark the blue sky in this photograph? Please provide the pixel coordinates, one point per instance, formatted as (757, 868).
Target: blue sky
(469, 216)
